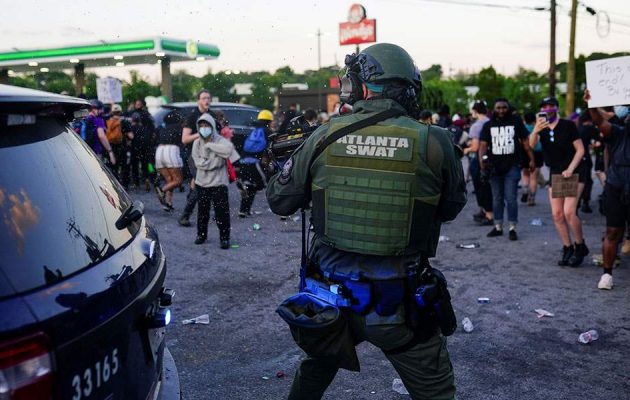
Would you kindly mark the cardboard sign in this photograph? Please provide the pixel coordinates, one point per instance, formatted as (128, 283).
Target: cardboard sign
(109, 90)
(608, 81)
(564, 187)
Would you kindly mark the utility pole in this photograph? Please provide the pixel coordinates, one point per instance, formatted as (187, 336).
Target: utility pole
(552, 51)
(319, 69)
(569, 104)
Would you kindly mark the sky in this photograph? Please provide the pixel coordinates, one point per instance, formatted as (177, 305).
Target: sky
(266, 35)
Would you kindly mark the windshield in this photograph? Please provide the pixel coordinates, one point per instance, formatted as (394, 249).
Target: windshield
(58, 205)
(240, 117)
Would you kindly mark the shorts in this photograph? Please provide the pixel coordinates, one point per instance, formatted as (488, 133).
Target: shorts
(617, 213)
(583, 170)
(167, 156)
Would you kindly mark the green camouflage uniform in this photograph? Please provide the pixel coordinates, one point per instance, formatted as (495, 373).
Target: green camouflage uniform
(379, 197)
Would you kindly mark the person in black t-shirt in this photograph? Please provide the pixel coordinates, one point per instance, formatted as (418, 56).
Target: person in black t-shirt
(589, 134)
(617, 189)
(563, 151)
(501, 139)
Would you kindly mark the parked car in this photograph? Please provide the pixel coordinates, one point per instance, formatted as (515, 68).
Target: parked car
(240, 117)
(83, 308)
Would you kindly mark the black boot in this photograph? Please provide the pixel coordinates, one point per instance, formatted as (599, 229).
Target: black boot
(580, 252)
(567, 253)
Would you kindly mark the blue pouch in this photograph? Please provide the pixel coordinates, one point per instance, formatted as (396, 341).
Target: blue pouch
(388, 296)
(361, 294)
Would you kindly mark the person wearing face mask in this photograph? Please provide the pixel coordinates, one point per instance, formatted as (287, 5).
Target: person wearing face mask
(563, 151)
(617, 189)
(499, 141)
(210, 152)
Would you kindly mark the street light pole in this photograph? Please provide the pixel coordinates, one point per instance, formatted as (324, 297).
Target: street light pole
(569, 105)
(552, 51)
(319, 69)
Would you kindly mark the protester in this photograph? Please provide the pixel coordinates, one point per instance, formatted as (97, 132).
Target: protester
(588, 133)
(288, 116)
(251, 176)
(500, 140)
(483, 192)
(189, 135)
(167, 157)
(530, 178)
(119, 135)
(373, 217)
(142, 153)
(563, 151)
(210, 153)
(92, 131)
(426, 117)
(617, 192)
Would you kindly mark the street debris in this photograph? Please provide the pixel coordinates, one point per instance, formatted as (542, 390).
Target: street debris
(468, 245)
(544, 313)
(483, 300)
(398, 387)
(588, 337)
(443, 238)
(202, 319)
(256, 227)
(266, 378)
(280, 374)
(536, 222)
(296, 218)
(467, 325)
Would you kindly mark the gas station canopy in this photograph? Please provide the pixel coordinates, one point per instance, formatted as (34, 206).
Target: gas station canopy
(104, 53)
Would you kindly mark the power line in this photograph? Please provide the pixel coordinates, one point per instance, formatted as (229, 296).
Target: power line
(488, 5)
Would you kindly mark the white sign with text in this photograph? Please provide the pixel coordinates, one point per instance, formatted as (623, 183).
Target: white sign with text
(109, 90)
(608, 81)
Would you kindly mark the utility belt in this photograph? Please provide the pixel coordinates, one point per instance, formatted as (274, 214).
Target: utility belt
(424, 293)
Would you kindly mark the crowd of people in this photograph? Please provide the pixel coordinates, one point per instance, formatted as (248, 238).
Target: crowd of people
(505, 149)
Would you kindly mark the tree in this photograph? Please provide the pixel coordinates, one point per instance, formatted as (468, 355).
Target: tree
(138, 88)
(434, 72)
(185, 86)
(490, 84)
(436, 93)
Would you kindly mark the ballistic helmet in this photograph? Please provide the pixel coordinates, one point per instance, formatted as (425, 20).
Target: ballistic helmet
(265, 115)
(384, 62)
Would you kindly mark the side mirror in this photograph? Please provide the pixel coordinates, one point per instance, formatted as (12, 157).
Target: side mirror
(131, 214)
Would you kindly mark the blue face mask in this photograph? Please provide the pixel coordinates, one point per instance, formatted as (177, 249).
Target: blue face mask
(205, 131)
(621, 112)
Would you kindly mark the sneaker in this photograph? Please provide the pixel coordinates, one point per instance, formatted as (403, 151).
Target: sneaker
(567, 253)
(625, 248)
(512, 234)
(586, 208)
(184, 221)
(580, 252)
(168, 207)
(147, 185)
(200, 239)
(524, 198)
(495, 232)
(242, 214)
(479, 217)
(605, 282)
(225, 244)
(486, 222)
(161, 195)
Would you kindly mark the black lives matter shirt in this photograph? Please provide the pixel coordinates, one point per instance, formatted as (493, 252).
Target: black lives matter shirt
(557, 145)
(504, 142)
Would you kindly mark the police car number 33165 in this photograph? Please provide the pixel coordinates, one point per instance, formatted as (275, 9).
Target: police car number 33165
(95, 376)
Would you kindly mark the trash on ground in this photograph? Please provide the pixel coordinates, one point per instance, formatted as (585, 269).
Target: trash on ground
(544, 313)
(296, 218)
(265, 378)
(202, 319)
(468, 245)
(467, 325)
(280, 374)
(536, 222)
(483, 300)
(444, 238)
(588, 337)
(235, 246)
(598, 259)
(257, 212)
(398, 387)
(256, 227)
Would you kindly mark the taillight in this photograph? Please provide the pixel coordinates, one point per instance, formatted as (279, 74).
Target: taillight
(25, 368)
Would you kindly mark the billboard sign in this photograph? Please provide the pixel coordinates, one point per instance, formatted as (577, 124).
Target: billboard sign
(358, 29)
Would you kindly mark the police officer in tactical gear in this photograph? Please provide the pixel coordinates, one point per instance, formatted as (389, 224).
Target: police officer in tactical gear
(379, 194)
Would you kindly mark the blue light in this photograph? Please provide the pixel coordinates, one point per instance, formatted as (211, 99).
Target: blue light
(167, 317)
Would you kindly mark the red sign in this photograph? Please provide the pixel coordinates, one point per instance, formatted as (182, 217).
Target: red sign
(357, 33)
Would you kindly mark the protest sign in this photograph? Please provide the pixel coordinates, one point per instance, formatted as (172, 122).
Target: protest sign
(608, 81)
(108, 90)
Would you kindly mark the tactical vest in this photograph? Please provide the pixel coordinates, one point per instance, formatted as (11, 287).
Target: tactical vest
(373, 192)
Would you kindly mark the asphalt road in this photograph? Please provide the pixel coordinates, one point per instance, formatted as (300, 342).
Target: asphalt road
(511, 354)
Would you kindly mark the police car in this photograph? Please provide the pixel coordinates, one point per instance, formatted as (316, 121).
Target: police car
(83, 308)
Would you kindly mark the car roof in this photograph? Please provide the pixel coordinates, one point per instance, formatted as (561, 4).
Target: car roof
(14, 98)
(188, 104)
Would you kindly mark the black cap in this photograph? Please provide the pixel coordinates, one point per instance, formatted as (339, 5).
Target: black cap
(552, 101)
(480, 106)
(96, 104)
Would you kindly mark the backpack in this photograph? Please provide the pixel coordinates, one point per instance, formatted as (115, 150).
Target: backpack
(87, 131)
(256, 141)
(114, 131)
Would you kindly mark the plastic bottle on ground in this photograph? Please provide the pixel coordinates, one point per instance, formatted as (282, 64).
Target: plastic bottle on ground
(588, 337)
(467, 325)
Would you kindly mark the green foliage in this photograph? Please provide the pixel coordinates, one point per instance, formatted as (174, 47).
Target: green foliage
(435, 93)
(138, 88)
(434, 72)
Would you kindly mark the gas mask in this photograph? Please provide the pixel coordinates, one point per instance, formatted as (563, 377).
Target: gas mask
(359, 69)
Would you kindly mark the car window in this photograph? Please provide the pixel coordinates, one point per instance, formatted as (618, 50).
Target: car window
(239, 117)
(58, 205)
